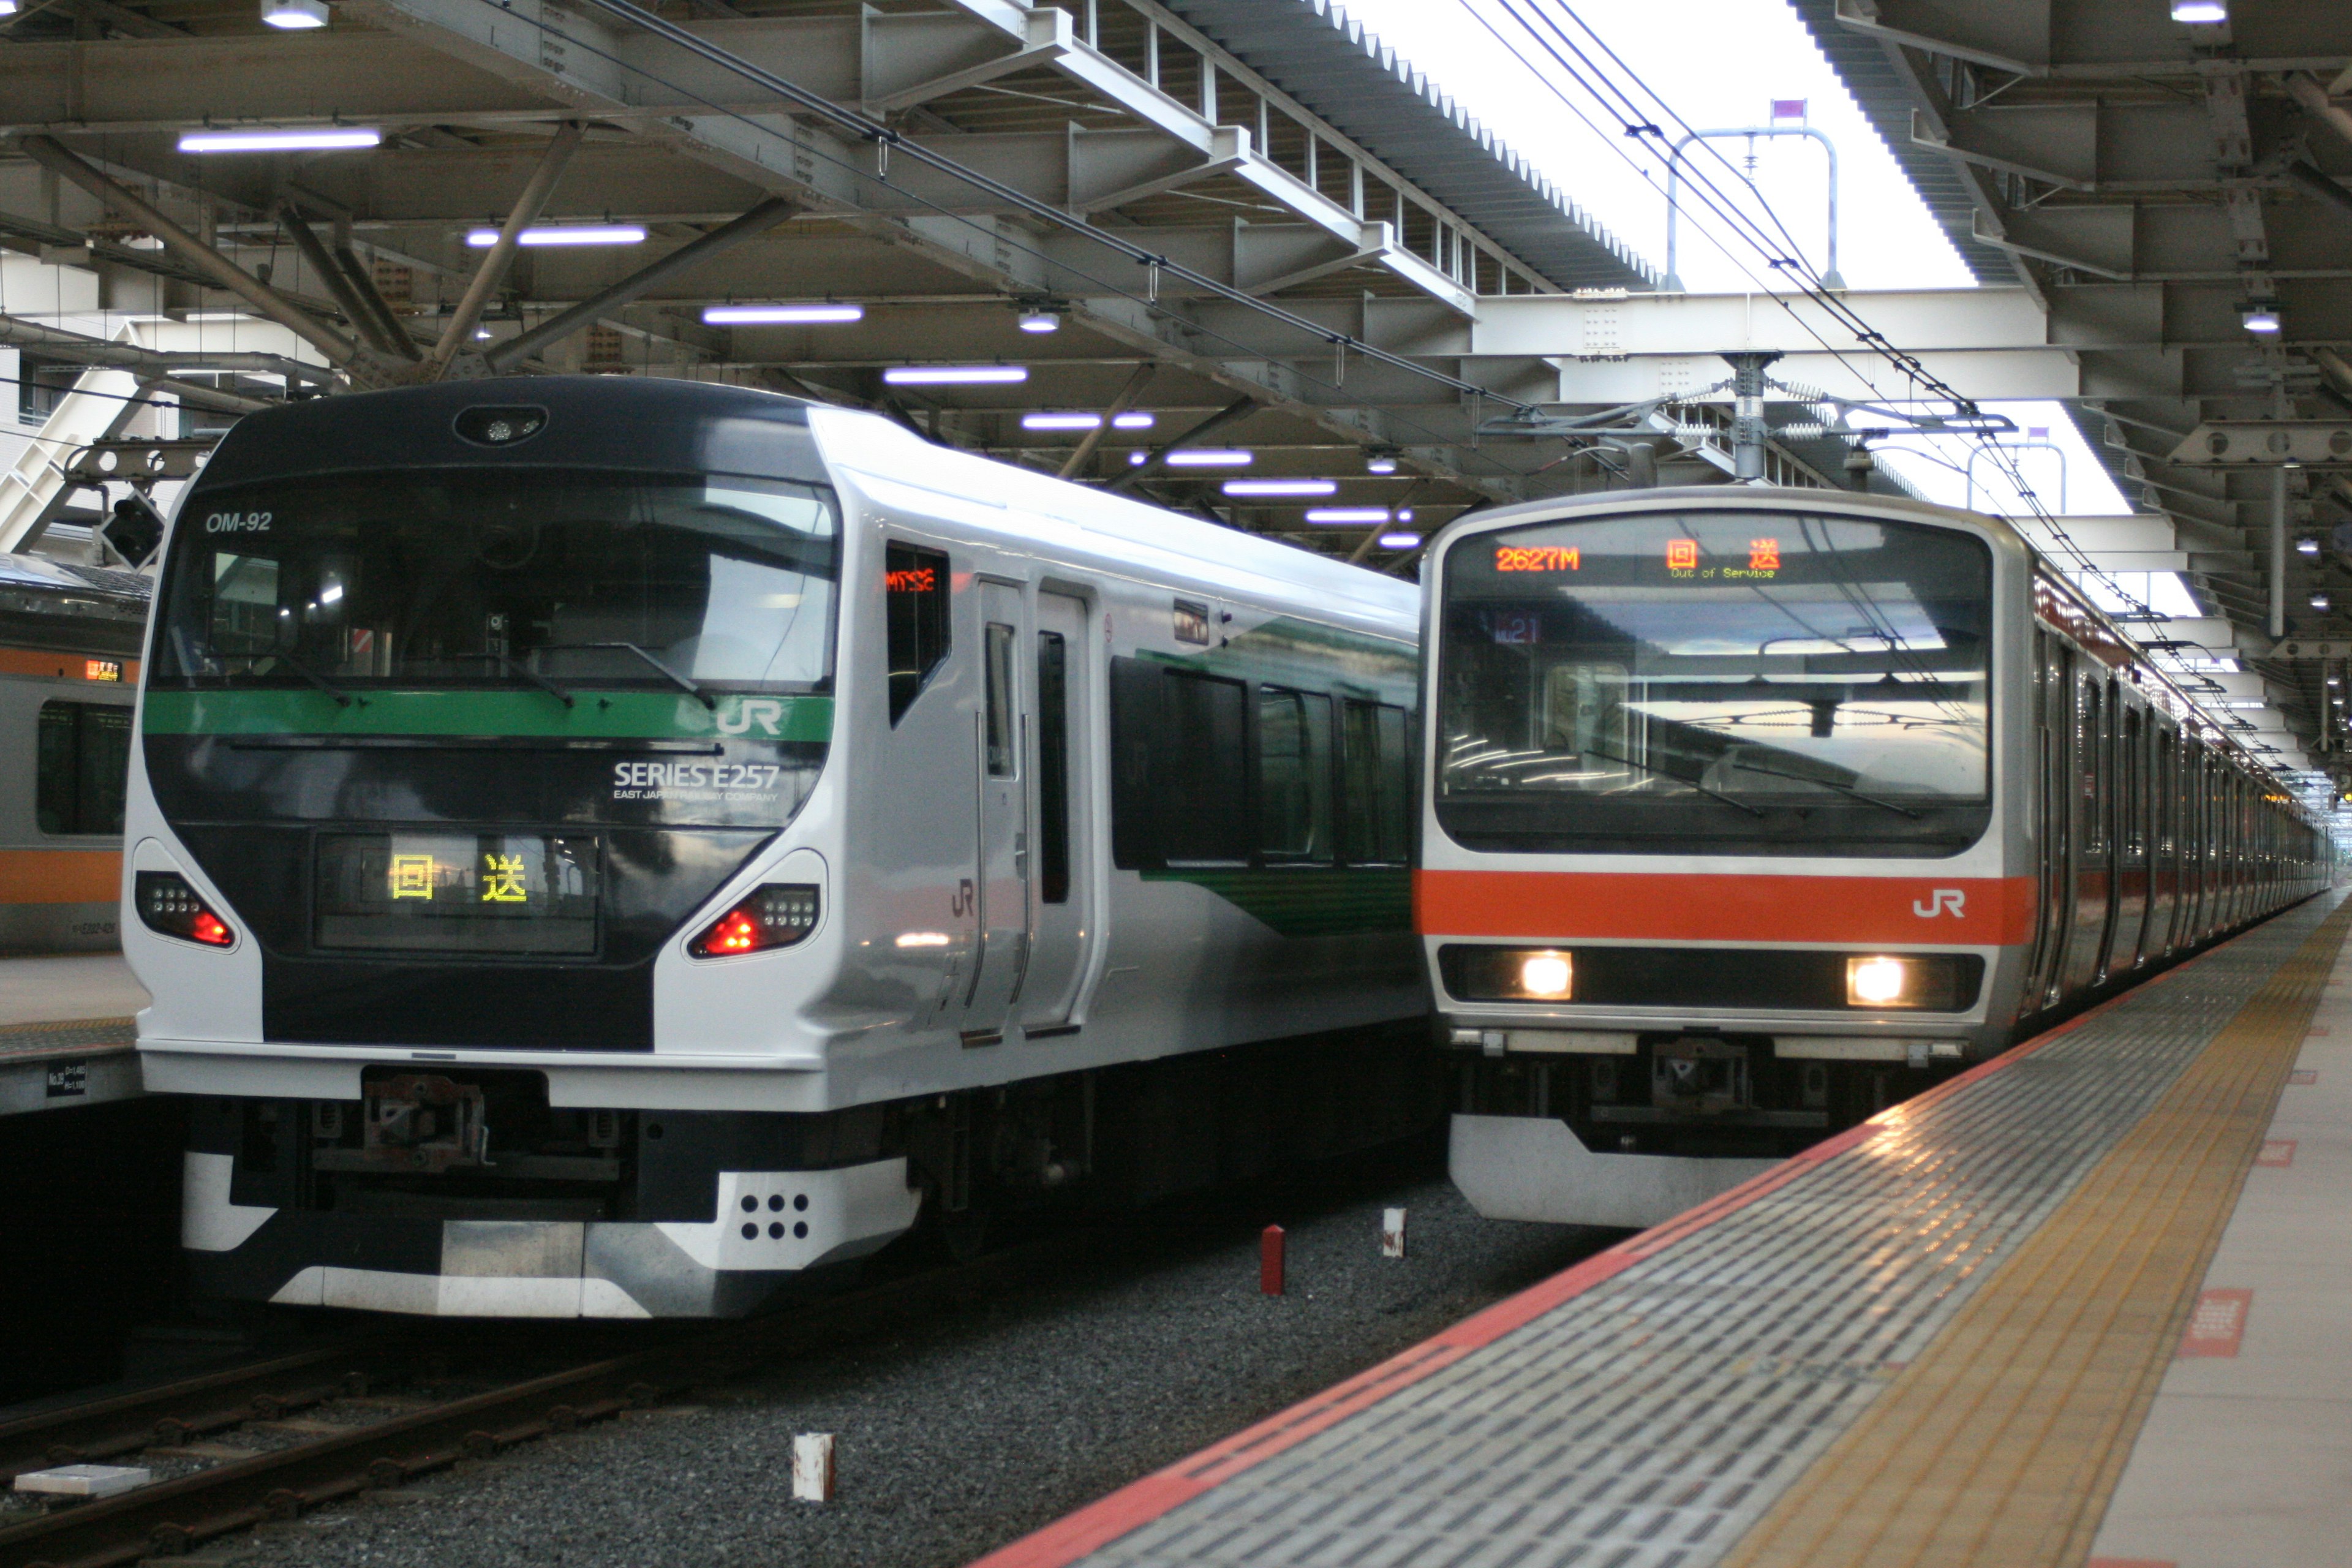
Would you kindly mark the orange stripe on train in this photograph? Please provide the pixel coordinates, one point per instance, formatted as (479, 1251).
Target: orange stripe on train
(60, 876)
(1981, 912)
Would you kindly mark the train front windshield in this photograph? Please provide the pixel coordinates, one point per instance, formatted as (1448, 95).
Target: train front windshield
(504, 577)
(1716, 683)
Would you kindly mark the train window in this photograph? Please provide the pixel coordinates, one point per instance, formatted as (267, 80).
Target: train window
(1053, 768)
(1672, 681)
(1180, 767)
(998, 656)
(1294, 794)
(1376, 820)
(505, 578)
(917, 584)
(83, 768)
(1202, 771)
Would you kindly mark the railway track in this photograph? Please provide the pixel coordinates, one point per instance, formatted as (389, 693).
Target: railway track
(325, 1464)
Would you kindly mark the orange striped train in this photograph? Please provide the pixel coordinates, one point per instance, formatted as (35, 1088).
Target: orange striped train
(1747, 812)
(69, 639)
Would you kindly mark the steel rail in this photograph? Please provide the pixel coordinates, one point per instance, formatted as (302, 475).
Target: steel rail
(170, 1518)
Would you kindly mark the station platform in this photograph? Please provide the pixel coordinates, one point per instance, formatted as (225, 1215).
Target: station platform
(2087, 1302)
(67, 1032)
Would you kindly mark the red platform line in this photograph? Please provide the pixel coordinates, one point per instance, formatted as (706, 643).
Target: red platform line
(1138, 1503)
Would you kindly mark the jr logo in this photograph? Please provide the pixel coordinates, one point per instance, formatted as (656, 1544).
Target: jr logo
(1941, 899)
(738, 716)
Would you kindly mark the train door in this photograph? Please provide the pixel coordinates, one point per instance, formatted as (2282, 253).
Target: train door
(2053, 684)
(2164, 846)
(1003, 783)
(1061, 747)
(2128, 913)
(2093, 848)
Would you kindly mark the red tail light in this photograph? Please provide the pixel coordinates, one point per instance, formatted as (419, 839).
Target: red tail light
(777, 915)
(167, 904)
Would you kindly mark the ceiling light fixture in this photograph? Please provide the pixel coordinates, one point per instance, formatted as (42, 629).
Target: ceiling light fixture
(2262, 316)
(1134, 421)
(2321, 602)
(1280, 487)
(2307, 545)
(1211, 458)
(956, 374)
(2206, 11)
(1061, 421)
(807, 313)
(317, 138)
(1342, 516)
(565, 234)
(1400, 541)
(1379, 465)
(292, 15)
(1041, 321)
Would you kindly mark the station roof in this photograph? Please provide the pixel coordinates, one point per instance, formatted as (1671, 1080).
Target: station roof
(1315, 51)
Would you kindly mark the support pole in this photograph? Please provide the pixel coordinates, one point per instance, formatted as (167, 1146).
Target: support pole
(505, 356)
(1231, 414)
(1124, 400)
(2307, 92)
(1748, 433)
(355, 271)
(52, 156)
(355, 310)
(2278, 552)
(493, 269)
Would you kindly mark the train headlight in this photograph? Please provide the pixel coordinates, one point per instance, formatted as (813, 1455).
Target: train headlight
(167, 904)
(1878, 982)
(777, 915)
(1549, 975)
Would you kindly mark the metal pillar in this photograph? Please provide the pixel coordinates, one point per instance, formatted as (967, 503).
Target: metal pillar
(1748, 431)
(224, 273)
(2278, 552)
(505, 356)
(460, 327)
(1231, 414)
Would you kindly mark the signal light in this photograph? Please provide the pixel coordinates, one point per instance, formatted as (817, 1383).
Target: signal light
(777, 915)
(168, 905)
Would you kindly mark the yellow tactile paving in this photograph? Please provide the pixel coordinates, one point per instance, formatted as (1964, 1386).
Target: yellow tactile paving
(2000, 1446)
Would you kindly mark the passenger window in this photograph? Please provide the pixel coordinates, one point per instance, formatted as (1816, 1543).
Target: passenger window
(1294, 799)
(1053, 768)
(1204, 772)
(1393, 815)
(1376, 781)
(1000, 732)
(917, 582)
(84, 765)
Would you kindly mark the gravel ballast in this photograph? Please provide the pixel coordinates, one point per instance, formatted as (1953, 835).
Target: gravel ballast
(966, 1427)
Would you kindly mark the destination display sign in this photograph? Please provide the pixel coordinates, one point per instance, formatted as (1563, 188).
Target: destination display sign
(502, 893)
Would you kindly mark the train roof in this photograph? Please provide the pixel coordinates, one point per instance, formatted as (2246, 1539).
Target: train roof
(652, 423)
(56, 606)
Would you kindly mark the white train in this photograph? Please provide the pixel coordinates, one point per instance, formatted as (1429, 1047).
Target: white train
(1747, 811)
(610, 846)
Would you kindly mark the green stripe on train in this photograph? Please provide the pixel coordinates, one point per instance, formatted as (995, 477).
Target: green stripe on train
(1309, 901)
(594, 715)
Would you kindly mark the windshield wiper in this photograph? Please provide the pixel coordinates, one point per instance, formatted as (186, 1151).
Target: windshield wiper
(1669, 774)
(1828, 783)
(343, 698)
(684, 684)
(515, 667)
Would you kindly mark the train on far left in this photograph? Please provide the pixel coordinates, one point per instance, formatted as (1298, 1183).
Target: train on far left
(69, 645)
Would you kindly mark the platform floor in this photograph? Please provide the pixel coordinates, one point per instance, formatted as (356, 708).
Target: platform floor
(67, 1031)
(1955, 1335)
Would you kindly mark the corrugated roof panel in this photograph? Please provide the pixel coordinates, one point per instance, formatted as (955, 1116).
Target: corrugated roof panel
(1861, 62)
(1311, 50)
